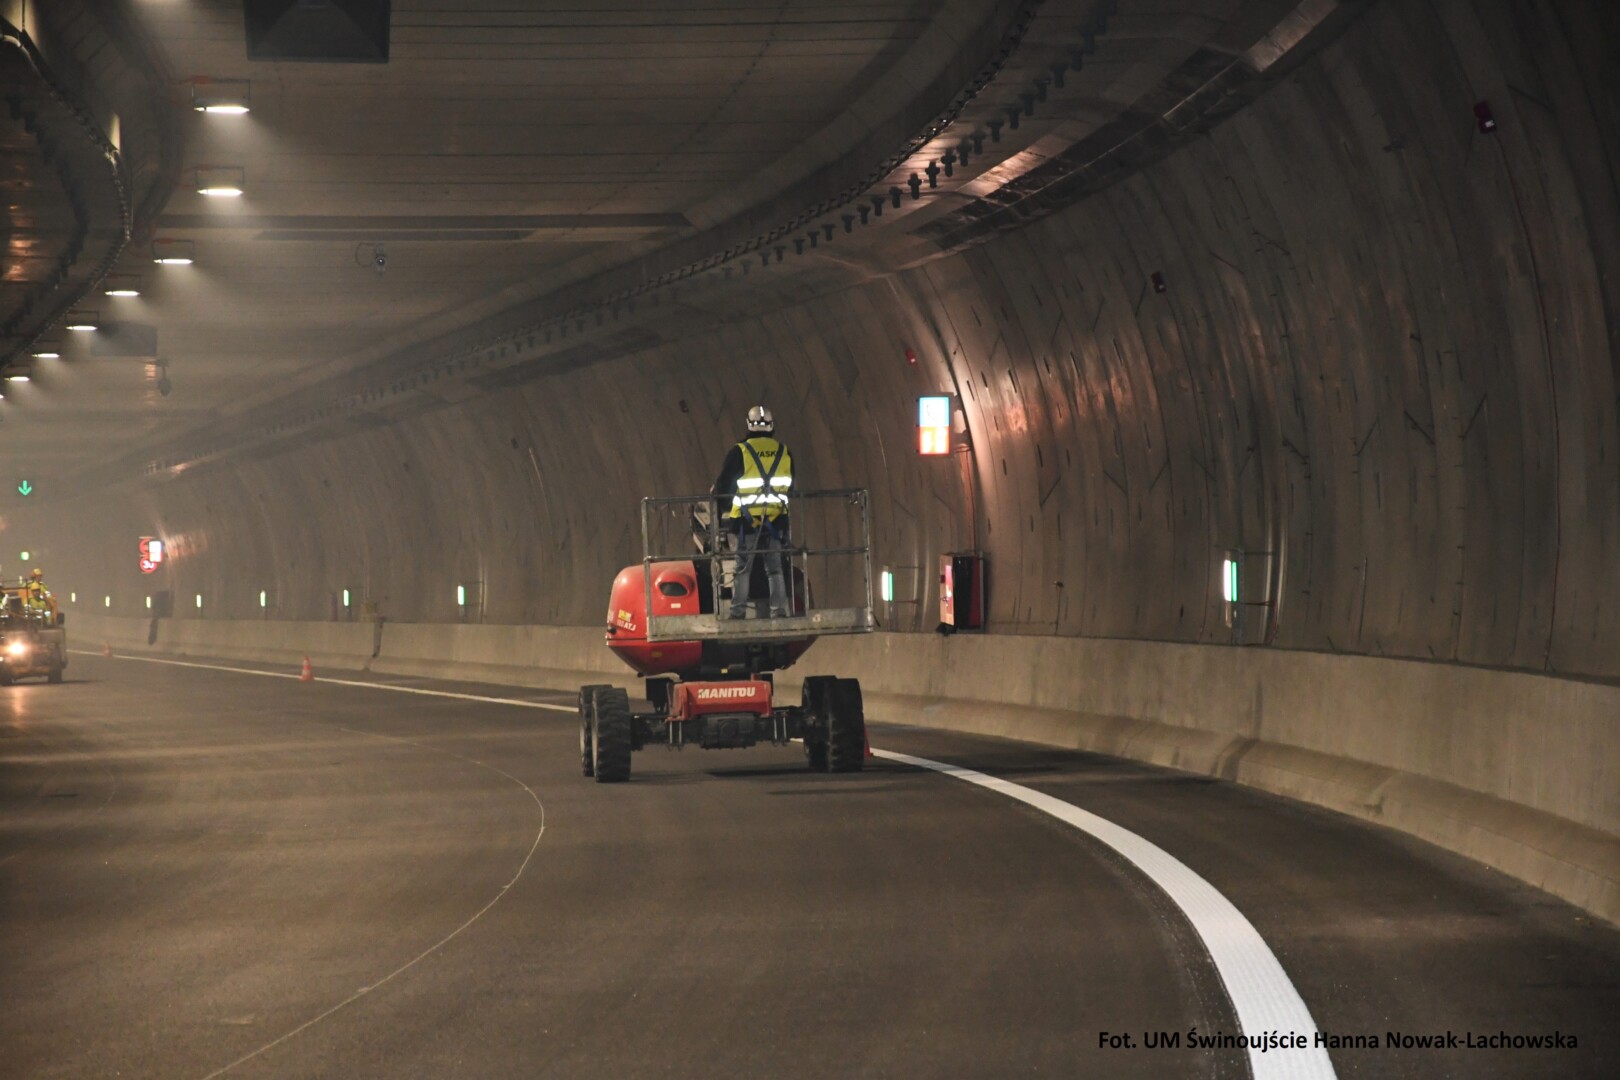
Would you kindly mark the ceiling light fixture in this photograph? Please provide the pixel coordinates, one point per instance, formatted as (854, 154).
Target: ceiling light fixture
(16, 378)
(47, 356)
(220, 181)
(82, 321)
(173, 252)
(122, 292)
(221, 97)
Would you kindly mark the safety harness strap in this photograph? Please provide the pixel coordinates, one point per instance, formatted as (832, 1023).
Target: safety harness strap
(766, 476)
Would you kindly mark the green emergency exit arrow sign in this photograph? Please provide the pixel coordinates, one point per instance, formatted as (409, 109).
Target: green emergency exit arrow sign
(25, 487)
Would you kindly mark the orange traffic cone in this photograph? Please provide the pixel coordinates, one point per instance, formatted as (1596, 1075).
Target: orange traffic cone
(106, 648)
(306, 675)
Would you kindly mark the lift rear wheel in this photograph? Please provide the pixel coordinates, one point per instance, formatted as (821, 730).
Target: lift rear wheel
(846, 727)
(55, 674)
(587, 702)
(814, 701)
(610, 735)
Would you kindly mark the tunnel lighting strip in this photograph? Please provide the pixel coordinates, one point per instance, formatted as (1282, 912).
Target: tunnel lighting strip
(1262, 995)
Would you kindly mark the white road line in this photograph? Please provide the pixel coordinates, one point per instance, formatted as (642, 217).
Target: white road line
(344, 682)
(437, 945)
(452, 935)
(1262, 995)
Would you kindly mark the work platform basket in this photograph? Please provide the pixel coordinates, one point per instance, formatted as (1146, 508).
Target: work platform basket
(828, 571)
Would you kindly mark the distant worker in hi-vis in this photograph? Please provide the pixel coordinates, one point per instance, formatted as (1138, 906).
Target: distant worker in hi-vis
(37, 597)
(757, 478)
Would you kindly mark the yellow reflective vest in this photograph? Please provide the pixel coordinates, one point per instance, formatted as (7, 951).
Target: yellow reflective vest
(766, 481)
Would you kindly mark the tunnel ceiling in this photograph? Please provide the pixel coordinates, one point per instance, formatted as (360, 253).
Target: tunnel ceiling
(531, 170)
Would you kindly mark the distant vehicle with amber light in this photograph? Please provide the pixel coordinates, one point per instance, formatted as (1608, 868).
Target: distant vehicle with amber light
(33, 640)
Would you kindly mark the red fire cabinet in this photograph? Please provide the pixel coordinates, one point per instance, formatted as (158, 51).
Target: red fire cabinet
(961, 590)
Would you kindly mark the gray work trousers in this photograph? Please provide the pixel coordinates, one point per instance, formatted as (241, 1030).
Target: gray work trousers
(762, 541)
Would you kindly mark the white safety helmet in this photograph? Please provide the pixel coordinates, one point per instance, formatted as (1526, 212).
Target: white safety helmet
(760, 420)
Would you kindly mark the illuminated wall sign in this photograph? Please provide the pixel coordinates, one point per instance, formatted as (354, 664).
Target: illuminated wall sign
(151, 553)
(934, 425)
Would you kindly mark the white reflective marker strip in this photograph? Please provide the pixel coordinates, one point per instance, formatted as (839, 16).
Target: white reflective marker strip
(1262, 995)
(347, 682)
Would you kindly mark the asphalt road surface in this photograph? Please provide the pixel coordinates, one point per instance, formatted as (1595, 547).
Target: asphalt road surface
(210, 873)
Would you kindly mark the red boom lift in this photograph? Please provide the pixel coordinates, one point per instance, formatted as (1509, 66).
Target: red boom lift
(709, 676)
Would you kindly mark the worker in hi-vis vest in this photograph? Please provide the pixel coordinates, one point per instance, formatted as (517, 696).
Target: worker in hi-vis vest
(757, 480)
(36, 597)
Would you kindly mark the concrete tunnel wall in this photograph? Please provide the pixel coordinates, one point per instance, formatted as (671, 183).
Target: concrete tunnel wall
(1387, 350)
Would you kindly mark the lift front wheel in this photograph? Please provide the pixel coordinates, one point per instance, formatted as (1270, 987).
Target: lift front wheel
(610, 735)
(587, 702)
(814, 701)
(846, 727)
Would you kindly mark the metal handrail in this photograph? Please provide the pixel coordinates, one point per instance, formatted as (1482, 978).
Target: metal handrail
(798, 554)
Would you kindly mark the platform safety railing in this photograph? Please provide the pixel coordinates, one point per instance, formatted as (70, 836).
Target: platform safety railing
(842, 515)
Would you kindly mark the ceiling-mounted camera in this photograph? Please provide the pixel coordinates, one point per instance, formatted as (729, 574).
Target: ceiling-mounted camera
(379, 259)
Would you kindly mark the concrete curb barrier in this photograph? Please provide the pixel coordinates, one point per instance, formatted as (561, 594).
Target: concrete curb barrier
(1517, 771)
(1575, 862)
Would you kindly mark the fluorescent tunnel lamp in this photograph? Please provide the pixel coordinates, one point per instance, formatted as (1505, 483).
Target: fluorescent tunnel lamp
(224, 97)
(220, 181)
(173, 252)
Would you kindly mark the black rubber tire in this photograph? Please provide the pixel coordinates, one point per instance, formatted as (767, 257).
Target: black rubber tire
(610, 735)
(54, 675)
(586, 696)
(814, 703)
(6, 677)
(846, 727)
